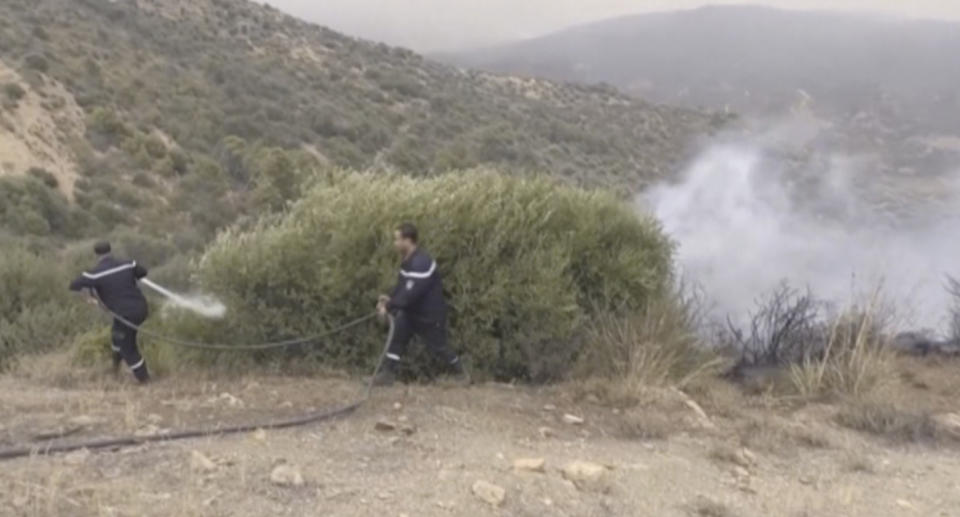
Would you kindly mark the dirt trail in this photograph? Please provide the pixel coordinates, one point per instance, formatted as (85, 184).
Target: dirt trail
(659, 461)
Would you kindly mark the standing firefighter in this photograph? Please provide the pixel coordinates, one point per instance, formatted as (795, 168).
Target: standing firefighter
(114, 283)
(418, 307)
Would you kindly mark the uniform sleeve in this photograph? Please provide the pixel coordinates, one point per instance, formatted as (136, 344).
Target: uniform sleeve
(139, 271)
(412, 286)
(80, 283)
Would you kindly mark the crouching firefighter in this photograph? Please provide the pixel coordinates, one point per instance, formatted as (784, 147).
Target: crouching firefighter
(113, 283)
(418, 308)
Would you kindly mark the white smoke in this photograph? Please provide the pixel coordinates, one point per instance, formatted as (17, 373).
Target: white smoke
(205, 306)
(746, 219)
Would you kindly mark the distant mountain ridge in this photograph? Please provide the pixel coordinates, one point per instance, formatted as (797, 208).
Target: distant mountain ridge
(884, 84)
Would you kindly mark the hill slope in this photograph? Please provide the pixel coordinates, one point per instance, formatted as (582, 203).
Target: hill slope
(880, 84)
(153, 105)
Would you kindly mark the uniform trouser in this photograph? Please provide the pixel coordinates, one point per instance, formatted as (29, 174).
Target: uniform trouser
(125, 346)
(433, 334)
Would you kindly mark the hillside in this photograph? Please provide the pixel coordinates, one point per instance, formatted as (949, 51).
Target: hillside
(873, 85)
(175, 114)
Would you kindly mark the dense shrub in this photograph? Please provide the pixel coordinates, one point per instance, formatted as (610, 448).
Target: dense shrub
(526, 261)
(29, 207)
(36, 312)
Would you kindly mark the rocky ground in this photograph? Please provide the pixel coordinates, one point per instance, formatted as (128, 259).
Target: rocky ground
(445, 451)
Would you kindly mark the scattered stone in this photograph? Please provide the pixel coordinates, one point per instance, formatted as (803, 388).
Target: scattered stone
(402, 418)
(77, 457)
(546, 432)
(385, 426)
(260, 435)
(740, 472)
(549, 407)
(586, 475)
(231, 400)
(83, 421)
(408, 430)
(201, 463)
(747, 456)
(529, 465)
(286, 475)
(948, 424)
(397, 406)
(490, 493)
(572, 419)
(906, 505)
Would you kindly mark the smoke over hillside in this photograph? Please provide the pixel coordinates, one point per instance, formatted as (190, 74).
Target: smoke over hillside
(749, 214)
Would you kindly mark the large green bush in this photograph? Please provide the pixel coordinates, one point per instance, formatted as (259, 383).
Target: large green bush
(37, 312)
(525, 262)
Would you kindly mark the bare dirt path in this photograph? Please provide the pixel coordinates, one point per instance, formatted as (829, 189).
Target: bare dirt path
(434, 444)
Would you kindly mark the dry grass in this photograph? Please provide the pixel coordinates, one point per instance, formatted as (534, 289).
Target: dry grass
(657, 347)
(773, 434)
(856, 361)
(646, 425)
(889, 421)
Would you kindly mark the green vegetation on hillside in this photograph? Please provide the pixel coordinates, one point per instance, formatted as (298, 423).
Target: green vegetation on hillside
(197, 113)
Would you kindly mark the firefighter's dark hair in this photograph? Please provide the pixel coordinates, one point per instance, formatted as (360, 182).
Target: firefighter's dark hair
(409, 231)
(101, 248)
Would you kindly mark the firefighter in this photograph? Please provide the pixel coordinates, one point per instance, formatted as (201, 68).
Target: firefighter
(113, 283)
(418, 307)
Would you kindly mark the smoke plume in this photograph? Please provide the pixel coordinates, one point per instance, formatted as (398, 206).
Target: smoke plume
(748, 217)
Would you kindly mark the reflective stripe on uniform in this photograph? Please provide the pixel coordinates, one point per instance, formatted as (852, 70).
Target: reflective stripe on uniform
(393, 357)
(138, 365)
(95, 276)
(410, 274)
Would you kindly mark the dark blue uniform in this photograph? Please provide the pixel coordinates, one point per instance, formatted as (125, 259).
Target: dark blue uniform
(115, 284)
(419, 309)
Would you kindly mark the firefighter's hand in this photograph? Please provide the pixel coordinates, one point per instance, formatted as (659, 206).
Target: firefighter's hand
(93, 301)
(383, 299)
(382, 309)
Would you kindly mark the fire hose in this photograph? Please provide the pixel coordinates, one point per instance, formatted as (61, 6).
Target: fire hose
(53, 447)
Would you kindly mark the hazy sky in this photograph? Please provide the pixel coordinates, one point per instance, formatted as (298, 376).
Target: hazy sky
(450, 24)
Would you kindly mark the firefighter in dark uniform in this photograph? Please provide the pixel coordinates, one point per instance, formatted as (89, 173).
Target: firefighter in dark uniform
(113, 282)
(418, 307)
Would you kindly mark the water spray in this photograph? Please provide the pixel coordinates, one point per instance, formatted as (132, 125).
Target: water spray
(203, 305)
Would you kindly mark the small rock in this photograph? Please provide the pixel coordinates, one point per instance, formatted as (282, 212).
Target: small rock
(286, 404)
(546, 432)
(260, 435)
(740, 472)
(747, 456)
(286, 475)
(585, 474)
(408, 430)
(529, 465)
(397, 406)
(402, 418)
(77, 457)
(572, 419)
(549, 407)
(81, 420)
(903, 503)
(201, 463)
(384, 426)
(231, 400)
(490, 493)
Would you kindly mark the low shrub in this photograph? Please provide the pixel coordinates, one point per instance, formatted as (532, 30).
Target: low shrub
(526, 263)
(37, 313)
